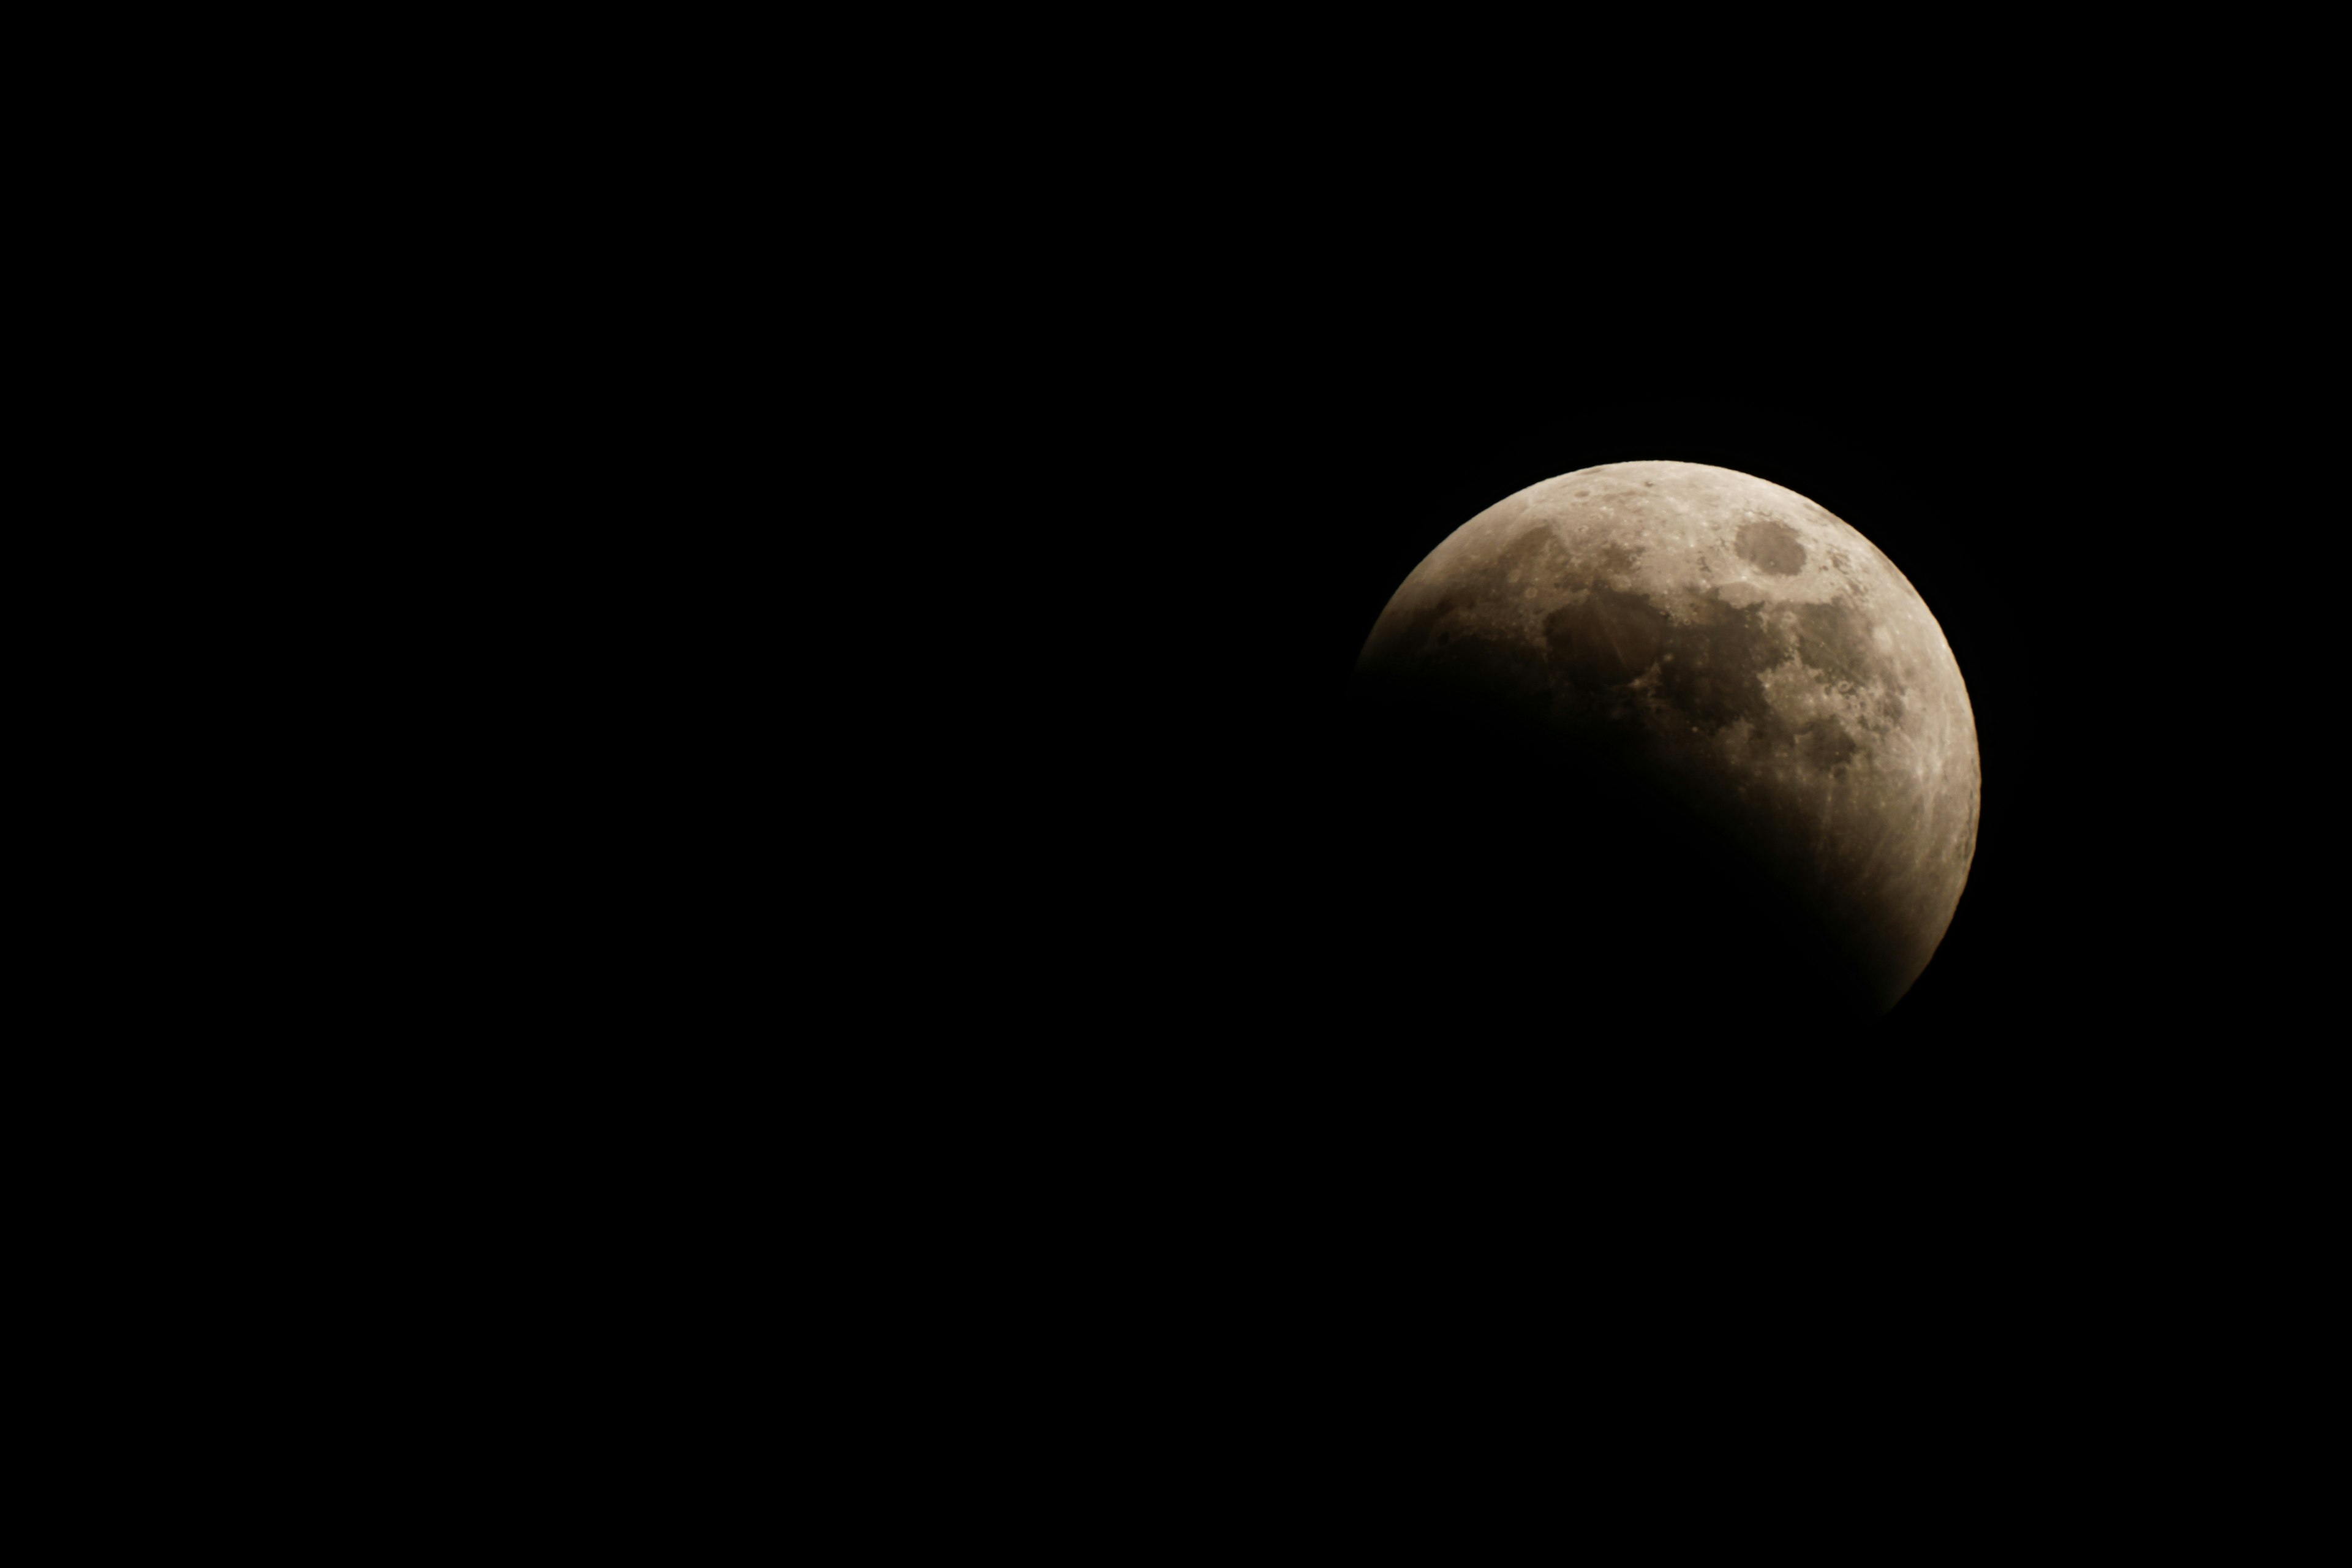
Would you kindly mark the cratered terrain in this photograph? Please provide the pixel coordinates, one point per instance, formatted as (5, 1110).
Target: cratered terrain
(1675, 728)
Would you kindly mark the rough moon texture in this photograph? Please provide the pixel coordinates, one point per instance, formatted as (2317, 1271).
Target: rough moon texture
(1745, 654)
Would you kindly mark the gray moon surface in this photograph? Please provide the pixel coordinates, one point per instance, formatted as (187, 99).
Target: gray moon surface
(1746, 655)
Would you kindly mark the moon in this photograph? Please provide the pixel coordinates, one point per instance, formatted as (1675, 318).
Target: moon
(1694, 653)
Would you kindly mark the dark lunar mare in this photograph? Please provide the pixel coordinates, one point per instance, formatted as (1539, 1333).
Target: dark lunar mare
(1518, 878)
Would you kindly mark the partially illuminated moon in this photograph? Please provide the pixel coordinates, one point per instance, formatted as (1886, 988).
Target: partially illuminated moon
(1738, 654)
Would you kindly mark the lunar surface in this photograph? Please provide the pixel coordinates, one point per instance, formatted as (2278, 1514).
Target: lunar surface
(1690, 650)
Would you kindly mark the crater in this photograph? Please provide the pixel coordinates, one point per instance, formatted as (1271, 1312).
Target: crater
(1835, 639)
(1605, 639)
(1713, 681)
(1827, 745)
(1771, 546)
